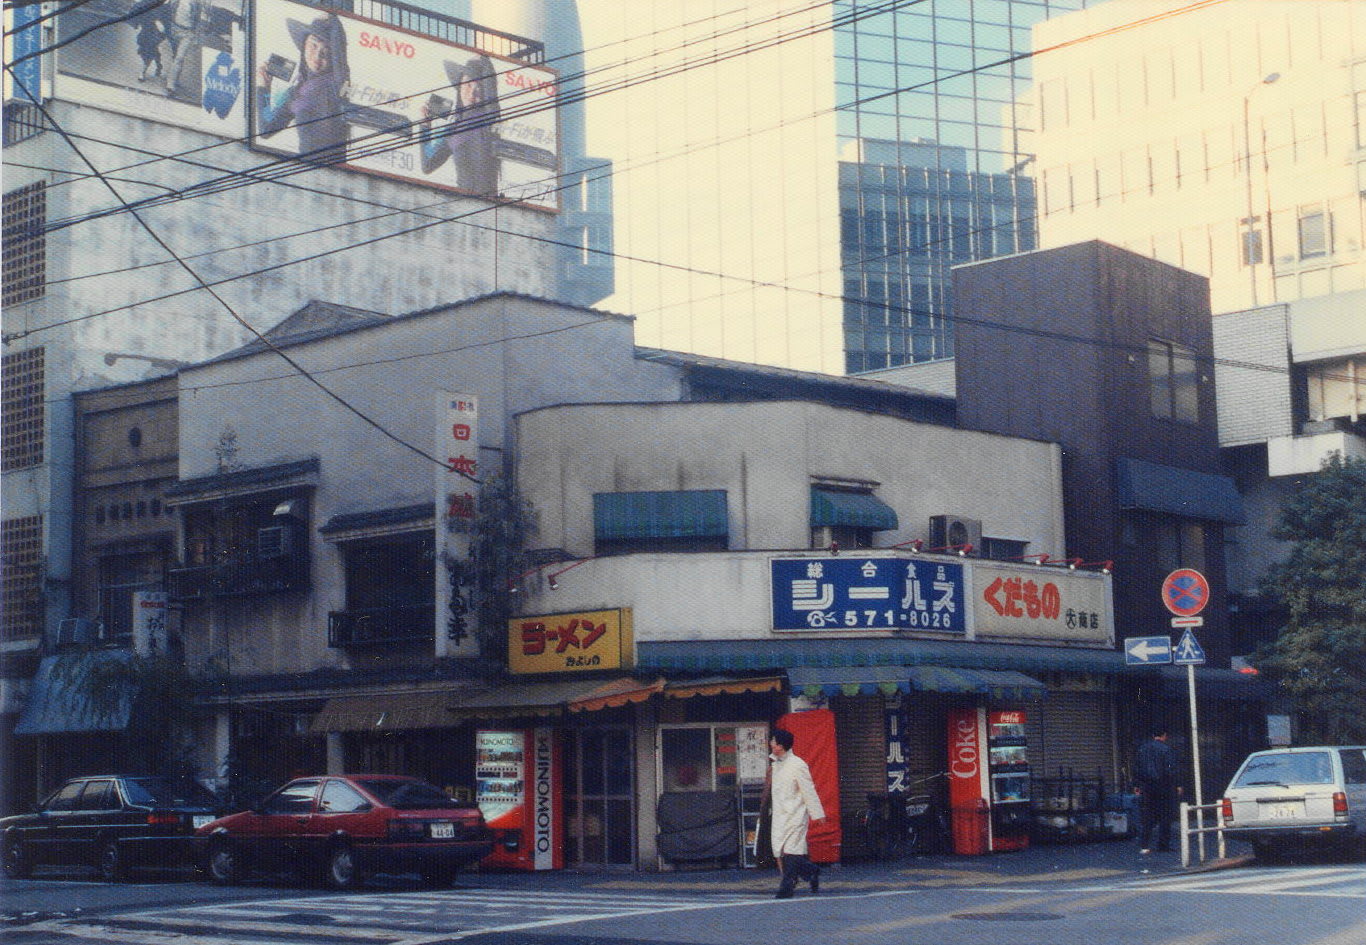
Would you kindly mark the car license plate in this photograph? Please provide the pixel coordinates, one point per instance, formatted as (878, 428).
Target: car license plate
(202, 819)
(1282, 811)
(443, 830)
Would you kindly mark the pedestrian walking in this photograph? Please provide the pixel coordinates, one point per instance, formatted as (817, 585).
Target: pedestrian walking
(1155, 779)
(795, 806)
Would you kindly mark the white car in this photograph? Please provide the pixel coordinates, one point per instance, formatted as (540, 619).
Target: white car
(1296, 798)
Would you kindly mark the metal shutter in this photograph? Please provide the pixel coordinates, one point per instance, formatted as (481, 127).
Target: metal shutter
(862, 752)
(1072, 730)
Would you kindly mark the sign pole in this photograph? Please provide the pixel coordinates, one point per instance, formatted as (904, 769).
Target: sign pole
(1195, 757)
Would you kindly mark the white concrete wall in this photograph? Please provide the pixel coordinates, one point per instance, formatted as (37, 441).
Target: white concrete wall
(513, 354)
(765, 454)
(728, 596)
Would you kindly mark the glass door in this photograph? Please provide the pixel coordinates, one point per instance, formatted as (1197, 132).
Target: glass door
(599, 789)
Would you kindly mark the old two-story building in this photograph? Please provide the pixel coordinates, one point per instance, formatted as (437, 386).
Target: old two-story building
(682, 493)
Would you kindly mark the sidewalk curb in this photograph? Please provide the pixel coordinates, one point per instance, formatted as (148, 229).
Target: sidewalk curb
(1227, 863)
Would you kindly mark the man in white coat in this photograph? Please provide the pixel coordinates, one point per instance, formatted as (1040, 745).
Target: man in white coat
(795, 805)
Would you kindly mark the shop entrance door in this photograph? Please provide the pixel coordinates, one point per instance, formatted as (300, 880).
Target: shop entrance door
(599, 789)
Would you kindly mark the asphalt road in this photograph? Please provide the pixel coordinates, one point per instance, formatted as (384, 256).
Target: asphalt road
(1078, 895)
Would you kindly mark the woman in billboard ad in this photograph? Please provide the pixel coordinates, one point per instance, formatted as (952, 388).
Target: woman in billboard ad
(314, 100)
(472, 142)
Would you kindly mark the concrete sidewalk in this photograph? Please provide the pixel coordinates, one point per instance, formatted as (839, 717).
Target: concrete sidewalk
(1052, 863)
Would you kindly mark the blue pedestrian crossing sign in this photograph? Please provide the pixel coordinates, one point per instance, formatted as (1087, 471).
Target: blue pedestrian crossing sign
(1187, 651)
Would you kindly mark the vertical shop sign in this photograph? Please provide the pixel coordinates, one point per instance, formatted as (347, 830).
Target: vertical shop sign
(149, 623)
(457, 446)
(544, 798)
(894, 723)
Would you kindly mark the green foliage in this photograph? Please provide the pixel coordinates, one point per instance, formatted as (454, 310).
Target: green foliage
(1320, 656)
(166, 708)
(504, 525)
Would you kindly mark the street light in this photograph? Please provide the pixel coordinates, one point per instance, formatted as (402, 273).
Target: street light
(1262, 247)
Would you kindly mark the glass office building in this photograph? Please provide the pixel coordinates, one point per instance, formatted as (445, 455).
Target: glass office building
(933, 123)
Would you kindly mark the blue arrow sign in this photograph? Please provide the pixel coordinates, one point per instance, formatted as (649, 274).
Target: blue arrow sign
(1147, 651)
(1187, 651)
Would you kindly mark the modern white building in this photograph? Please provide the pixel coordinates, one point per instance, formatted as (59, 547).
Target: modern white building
(1228, 139)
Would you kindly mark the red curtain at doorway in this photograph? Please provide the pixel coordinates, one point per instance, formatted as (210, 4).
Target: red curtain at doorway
(814, 742)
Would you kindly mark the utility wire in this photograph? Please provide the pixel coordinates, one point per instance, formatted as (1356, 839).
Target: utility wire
(676, 267)
(75, 4)
(56, 126)
(381, 142)
(138, 9)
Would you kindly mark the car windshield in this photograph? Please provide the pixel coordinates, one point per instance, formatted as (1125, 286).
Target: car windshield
(169, 792)
(1300, 767)
(410, 795)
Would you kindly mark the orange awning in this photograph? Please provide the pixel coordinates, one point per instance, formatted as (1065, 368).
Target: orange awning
(722, 686)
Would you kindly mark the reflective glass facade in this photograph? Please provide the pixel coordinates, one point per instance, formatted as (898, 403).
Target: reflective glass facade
(934, 164)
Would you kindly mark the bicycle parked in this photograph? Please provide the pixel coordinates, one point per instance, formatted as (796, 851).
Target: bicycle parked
(898, 824)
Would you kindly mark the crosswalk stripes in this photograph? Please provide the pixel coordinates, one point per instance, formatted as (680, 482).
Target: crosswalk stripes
(1348, 881)
(375, 918)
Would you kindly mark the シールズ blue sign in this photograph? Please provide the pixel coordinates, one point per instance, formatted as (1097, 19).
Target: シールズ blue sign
(867, 594)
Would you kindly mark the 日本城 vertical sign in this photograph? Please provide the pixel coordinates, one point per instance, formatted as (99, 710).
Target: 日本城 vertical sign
(457, 446)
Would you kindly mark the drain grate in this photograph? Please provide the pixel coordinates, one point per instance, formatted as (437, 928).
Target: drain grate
(1008, 916)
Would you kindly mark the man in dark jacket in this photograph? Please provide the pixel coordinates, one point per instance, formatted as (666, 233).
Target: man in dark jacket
(1155, 782)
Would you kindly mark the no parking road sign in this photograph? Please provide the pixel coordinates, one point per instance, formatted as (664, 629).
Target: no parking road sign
(1185, 592)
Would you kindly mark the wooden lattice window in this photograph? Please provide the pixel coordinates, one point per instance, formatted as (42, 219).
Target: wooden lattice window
(25, 244)
(21, 409)
(21, 597)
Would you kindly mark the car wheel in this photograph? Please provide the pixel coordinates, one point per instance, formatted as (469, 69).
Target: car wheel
(340, 870)
(111, 865)
(18, 864)
(225, 864)
(439, 877)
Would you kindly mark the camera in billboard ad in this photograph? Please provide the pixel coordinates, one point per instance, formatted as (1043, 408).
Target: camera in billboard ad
(182, 62)
(339, 90)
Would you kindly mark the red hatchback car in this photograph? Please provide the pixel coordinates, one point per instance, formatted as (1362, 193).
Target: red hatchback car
(344, 827)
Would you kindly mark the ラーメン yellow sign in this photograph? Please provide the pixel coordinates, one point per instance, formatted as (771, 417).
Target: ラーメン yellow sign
(571, 643)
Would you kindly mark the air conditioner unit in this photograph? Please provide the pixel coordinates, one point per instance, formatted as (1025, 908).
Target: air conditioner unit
(78, 631)
(273, 542)
(948, 530)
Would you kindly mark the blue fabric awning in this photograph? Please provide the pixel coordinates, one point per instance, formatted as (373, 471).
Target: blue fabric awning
(1185, 492)
(697, 512)
(852, 509)
(60, 701)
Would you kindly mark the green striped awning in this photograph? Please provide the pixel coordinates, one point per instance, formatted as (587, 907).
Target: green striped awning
(852, 509)
(682, 514)
(997, 683)
(814, 681)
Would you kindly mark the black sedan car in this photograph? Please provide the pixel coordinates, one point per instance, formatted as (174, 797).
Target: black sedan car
(111, 822)
(341, 827)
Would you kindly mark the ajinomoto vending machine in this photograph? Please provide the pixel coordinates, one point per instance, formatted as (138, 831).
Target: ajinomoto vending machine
(518, 788)
(989, 780)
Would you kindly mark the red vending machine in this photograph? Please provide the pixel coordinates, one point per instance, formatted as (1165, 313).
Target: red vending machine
(1008, 770)
(518, 789)
(988, 780)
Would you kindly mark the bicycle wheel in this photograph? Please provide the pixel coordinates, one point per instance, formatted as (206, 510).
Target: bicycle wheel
(874, 833)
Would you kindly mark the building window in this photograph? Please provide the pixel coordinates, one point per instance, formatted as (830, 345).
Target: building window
(1316, 234)
(22, 409)
(1180, 544)
(1174, 382)
(25, 244)
(21, 598)
(1252, 248)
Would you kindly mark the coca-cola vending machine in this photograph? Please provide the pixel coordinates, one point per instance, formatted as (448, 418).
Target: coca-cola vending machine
(988, 780)
(518, 789)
